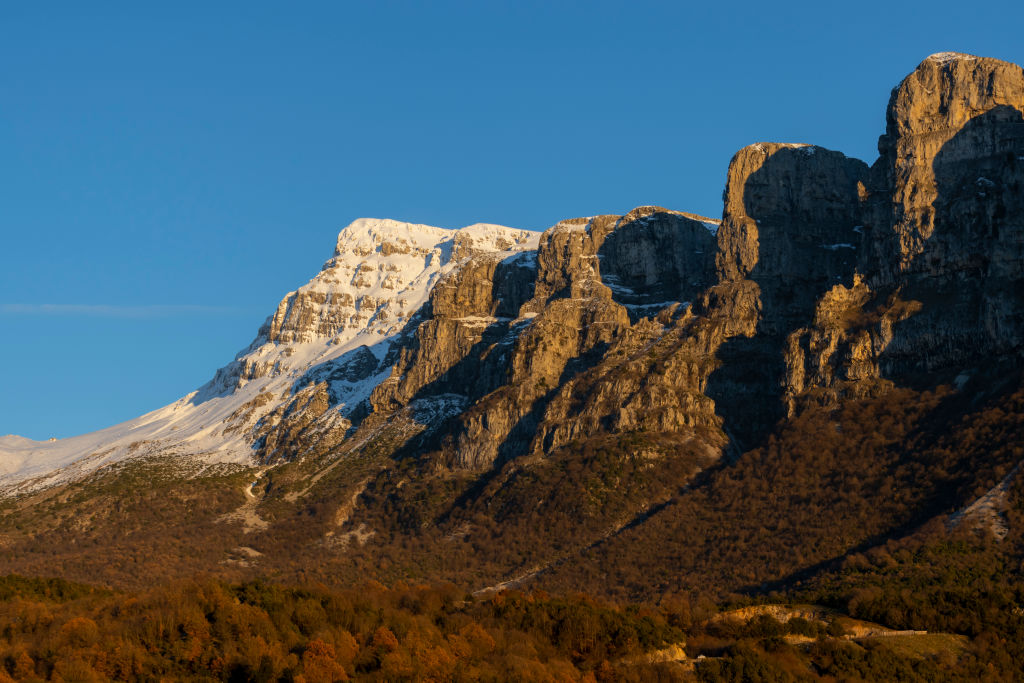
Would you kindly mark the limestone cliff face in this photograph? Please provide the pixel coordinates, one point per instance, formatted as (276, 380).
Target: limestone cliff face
(943, 240)
(579, 366)
(953, 156)
(510, 336)
(652, 378)
(950, 122)
(824, 278)
(632, 280)
(789, 233)
(791, 222)
(379, 276)
(332, 342)
(470, 316)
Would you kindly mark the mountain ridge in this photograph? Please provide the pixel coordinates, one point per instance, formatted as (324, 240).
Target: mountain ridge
(780, 290)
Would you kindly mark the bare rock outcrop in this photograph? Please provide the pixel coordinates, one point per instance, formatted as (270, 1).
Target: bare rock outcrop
(791, 221)
(943, 240)
(332, 342)
(954, 118)
(511, 335)
(789, 233)
(824, 278)
(953, 156)
(469, 321)
(574, 368)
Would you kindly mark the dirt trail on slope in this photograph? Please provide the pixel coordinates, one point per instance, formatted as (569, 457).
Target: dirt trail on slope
(247, 514)
(989, 510)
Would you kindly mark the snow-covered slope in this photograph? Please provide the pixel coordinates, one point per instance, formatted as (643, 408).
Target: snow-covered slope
(380, 275)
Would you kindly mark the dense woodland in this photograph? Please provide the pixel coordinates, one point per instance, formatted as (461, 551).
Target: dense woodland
(254, 631)
(828, 483)
(207, 630)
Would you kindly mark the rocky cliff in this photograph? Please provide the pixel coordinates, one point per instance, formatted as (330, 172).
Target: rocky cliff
(824, 278)
(938, 293)
(584, 302)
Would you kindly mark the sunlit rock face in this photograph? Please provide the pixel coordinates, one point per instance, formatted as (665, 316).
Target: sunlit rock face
(381, 274)
(948, 176)
(591, 281)
(939, 292)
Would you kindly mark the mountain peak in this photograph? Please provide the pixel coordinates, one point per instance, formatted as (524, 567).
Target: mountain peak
(364, 233)
(944, 57)
(380, 275)
(367, 235)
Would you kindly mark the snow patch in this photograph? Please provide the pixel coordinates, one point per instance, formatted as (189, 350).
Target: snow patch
(760, 146)
(433, 409)
(945, 57)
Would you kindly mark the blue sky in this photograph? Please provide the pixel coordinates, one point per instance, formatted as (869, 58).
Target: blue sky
(171, 172)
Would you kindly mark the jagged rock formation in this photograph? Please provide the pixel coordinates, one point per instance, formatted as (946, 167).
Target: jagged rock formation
(589, 279)
(953, 154)
(953, 117)
(942, 250)
(380, 275)
(470, 309)
(790, 225)
(824, 278)
(830, 278)
(789, 233)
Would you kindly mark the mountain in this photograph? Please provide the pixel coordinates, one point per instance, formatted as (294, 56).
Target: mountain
(355, 308)
(818, 395)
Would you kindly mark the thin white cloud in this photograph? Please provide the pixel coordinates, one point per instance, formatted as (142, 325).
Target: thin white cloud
(111, 311)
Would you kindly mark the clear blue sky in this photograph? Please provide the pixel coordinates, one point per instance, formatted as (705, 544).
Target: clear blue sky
(170, 172)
